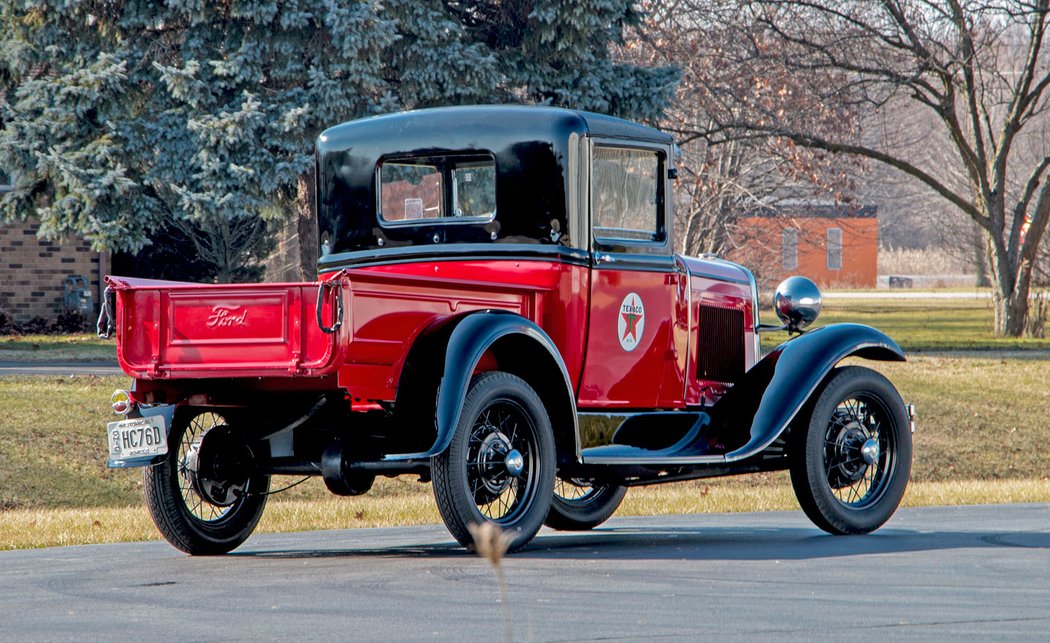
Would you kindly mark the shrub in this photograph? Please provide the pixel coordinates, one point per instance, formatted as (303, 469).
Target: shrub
(35, 326)
(70, 321)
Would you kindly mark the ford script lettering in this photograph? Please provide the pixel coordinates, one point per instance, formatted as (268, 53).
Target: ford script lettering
(224, 316)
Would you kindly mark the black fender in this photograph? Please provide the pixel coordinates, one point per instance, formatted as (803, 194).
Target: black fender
(452, 350)
(771, 394)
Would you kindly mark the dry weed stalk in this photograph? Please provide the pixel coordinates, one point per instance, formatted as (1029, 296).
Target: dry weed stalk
(920, 261)
(491, 543)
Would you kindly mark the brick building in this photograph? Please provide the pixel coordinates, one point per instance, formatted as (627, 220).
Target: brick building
(835, 246)
(33, 272)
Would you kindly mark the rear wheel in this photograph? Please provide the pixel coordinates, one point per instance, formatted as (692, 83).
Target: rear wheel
(850, 465)
(500, 465)
(205, 505)
(579, 505)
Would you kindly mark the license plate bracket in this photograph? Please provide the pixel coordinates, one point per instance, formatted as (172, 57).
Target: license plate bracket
(137, 442)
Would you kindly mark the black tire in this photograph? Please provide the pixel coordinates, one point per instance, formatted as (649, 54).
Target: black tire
(474, 480)
(186, 520)
(579, 505)
(851, 461)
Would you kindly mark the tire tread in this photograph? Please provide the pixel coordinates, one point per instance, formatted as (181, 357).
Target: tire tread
(810, 485)
(445, 480)
(171, 516)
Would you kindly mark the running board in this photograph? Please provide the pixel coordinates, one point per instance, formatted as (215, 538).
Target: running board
(663, 439)
(634, 456)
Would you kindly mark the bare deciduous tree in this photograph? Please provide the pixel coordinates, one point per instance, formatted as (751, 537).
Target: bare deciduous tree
(978, 66)
(723, 179)
(234, 246)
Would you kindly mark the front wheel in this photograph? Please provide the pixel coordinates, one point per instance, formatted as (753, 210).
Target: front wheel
(579, 505)
(851, 462)
(204, 506)
(500, 465)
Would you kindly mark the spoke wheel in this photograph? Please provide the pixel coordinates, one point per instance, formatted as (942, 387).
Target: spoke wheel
(501, 453)
(580, 504)
(195, 522)
(499, 467)
(850, 465)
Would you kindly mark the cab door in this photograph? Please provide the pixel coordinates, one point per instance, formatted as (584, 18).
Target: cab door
(636, 336)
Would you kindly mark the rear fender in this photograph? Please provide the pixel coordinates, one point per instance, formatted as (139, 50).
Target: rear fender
(771, 394)
(449, 353)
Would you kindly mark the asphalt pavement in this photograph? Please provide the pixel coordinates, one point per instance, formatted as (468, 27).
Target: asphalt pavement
(962, 573)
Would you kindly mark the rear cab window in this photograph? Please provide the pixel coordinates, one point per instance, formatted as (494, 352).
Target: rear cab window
(435, 190)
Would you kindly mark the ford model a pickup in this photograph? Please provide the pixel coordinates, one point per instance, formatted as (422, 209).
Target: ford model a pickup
(500, 311)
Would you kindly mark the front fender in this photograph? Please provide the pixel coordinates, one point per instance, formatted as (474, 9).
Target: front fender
(771, 394)
(469, 339)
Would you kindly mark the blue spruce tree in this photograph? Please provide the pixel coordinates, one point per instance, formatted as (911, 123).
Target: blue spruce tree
(120, 119)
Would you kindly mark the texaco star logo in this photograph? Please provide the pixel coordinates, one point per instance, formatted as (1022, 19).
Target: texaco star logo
(631, 322)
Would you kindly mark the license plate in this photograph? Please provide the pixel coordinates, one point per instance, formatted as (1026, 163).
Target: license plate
(137, 438)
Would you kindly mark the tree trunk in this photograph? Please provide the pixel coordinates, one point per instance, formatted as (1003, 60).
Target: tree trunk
(306, 223)
(1011, 301)
(980, 255)
(1011, 314)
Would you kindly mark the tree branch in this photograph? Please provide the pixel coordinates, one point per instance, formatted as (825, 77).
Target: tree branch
(900, 164)
(968, 57)
(1021, 207)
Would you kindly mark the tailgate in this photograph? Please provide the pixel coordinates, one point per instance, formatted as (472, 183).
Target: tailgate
(174, 329)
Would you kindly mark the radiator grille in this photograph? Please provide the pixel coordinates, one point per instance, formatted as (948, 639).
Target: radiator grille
(721, 342)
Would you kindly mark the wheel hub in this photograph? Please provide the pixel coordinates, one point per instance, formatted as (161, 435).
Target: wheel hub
(497, 463)
(852, 451)
(218, 466)
(515, 463)
(870, 451)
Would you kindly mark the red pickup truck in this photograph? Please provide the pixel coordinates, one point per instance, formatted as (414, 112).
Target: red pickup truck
(500, 311)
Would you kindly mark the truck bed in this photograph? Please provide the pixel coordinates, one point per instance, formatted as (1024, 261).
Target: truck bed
(169, 330)
(176, 329)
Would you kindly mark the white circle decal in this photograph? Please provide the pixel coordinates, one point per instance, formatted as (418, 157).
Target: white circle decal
(630, 323)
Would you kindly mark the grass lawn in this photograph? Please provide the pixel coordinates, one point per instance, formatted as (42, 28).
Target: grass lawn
(980, 438)
(981, 435)
(920, 325)
(916, 324)
(36, 348)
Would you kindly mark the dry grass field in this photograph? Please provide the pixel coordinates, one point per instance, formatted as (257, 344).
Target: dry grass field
(922, 261)
(981, 431)
(35, 348)
(981, 403)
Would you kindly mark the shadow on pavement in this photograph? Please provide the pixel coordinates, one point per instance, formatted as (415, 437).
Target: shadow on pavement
(713, 543)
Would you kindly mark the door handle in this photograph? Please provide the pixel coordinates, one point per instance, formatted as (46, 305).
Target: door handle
(605, 259)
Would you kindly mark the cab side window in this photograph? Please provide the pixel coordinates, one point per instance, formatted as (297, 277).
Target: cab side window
(626, 194)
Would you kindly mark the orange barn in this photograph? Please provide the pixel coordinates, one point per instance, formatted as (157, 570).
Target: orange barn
(834, 246)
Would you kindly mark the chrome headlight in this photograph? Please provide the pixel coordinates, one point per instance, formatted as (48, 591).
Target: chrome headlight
(797, 302)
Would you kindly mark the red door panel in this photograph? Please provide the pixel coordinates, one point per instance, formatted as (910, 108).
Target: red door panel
(633, 357)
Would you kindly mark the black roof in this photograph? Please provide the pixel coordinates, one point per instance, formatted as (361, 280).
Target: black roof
(531, 147)
(480, 121)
